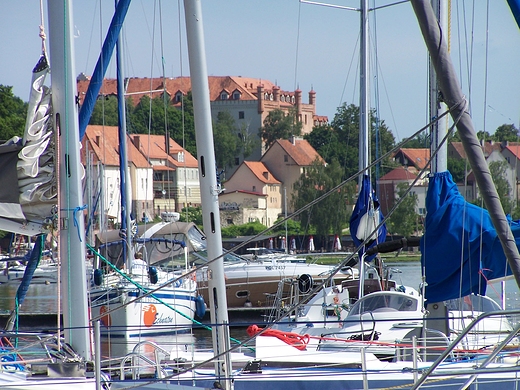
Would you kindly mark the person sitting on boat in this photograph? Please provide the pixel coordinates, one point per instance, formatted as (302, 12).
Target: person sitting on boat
(338, 308)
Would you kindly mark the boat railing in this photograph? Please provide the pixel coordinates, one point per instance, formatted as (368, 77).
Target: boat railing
(136, 358)
(478, 368)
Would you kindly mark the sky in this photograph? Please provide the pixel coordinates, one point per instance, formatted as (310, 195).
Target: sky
(295, 45)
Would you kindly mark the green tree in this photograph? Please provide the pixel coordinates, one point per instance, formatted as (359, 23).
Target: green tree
(457, 168)
(247, 229)
(421, 141)
(498, 171)
(105, 111)
(340, 141)
(404, 220)
(191, 214)
(225, 139)
(13, 112)
(318, 180)
(506, 133)
(278, 125)
(158, 116)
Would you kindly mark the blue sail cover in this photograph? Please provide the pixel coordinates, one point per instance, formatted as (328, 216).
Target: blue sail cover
(515, 10)
(365, 218)
(460, 248)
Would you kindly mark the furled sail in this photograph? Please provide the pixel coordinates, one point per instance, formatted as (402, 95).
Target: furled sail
(460, 248)
(28, 163)
(365, 218)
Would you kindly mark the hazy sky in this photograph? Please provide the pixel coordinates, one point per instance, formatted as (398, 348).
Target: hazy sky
(296, 46)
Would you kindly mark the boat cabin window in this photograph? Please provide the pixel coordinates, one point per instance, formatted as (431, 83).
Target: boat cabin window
(384, 302)
(473, 303)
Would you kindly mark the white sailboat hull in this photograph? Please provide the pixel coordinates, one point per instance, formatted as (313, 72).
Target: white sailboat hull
(123, 314)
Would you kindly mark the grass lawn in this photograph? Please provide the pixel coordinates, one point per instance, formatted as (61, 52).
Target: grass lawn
(329, 259)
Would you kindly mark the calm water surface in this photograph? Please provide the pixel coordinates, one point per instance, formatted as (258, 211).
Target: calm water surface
(41, 299)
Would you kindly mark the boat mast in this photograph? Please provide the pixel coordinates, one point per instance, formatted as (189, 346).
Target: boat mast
(209, 188)
(454, 98)
(124, 178)
(439, 129)
(364, 98)
(72, 229)
(364, 115)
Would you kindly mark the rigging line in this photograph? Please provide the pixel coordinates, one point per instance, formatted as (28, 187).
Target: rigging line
(183, 117)
(376, 98)
(42, 29)
(336, 188)
(297, 45)
(486, 64)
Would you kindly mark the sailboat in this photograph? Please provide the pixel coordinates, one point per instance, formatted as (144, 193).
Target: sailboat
(31, 165)
(140, 299)
(287, 360)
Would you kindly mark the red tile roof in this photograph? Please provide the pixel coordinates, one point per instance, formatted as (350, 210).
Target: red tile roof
(260, 171)
(139, 87)
(400, 173)
(301, 151)
(418, 157)
(104, 142)
(153, 146)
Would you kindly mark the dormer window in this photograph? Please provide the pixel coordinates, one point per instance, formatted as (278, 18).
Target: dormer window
(178, 97)
(224, 95)
(293, 100)
(282, 98)
(236, 94)
(266, 96)
(271, 97)
(180, 156)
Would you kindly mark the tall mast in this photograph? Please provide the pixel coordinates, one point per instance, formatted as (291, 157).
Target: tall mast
(126, 200)
(209, 188)
(364, 99)
(72, 226)
(440, 128)
(454, 98)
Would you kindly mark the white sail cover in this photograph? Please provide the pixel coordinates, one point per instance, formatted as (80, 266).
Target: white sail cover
(31, 159)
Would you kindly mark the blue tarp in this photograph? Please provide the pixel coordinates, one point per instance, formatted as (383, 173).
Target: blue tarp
(460, 249)
(515, 10)
(365, 218)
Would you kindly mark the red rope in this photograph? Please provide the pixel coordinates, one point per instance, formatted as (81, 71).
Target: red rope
(297, 341)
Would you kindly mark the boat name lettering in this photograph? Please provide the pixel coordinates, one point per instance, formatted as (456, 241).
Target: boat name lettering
(162, 319)
(271, 267)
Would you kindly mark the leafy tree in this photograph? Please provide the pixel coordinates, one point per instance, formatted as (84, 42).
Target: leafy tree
(331, 214)
(225, 139)
(159, 116)
(506, 133)
(278, 125)
(421, 141)
(457, 168)
(13, 112)
(191, 214)
(247, 142)
(404, 219)
(106, 112)
(248, 229)
(498, 171)
(340, 141)
(294, 228)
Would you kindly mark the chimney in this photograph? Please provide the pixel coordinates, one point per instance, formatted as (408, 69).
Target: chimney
(137, 142)
(312, 100)
(276, 93)
(298, 96)
(260, 97)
